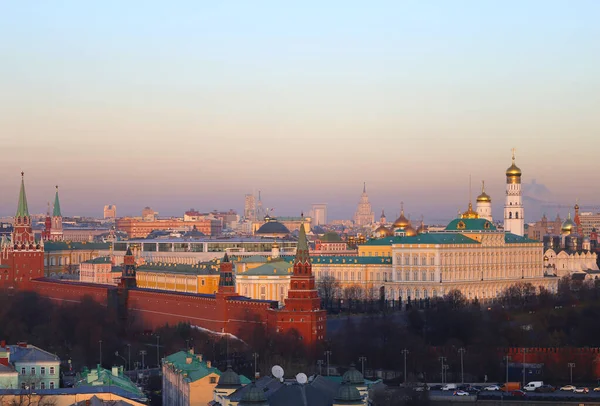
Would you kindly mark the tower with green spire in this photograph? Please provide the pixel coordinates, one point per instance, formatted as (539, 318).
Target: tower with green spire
(22, 234)
(56, 231)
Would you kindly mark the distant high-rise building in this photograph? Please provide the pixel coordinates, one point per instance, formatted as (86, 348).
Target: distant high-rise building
(260, 210)
(364, 214)
(250, 207)
(110, 211)
(319, 214)
(148, 214)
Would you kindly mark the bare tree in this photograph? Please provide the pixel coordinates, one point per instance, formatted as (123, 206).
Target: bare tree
(329, 288)
(354, 292)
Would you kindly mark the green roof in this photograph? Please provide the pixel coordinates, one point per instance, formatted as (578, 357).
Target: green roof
(195, 370)
(197, 269)
(350, 260)
(99, 260)
(470, 225)
(22, 209)
(331, 237)
(383, 241)
(510, 238)
(104, 377)
(253, 259)
(56, 212)
(67, 246)
(275, 267)
(437, 238)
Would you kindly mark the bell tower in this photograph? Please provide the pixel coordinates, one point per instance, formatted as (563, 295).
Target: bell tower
(513, 208)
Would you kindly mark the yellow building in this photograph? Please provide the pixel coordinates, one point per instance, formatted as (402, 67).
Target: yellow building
(189, 380)
(265, 279)
(65, 256)
(198, 278)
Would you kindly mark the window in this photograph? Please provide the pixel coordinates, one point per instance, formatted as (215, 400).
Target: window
(33, 386)
(423, 276)
(43, 385)
(42, 370)
(415, 276)
(424, 261)
(406, 261)
(432, 276)
(415, 260)
(51, 370)
(23, 372)
(51, 385)
(32, 370)
(432, 261)
(407, 276)
(213, 380)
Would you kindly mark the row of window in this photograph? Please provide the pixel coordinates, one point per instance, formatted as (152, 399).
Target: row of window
(24, 386)
(33, 371)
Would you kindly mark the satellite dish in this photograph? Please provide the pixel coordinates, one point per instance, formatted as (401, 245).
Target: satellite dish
(277, 371)
(301, 378)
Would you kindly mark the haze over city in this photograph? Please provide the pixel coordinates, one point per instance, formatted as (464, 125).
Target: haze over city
(196, 104)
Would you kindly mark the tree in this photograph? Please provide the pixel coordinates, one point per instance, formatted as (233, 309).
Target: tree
(329, 288)
(354, 292)
(455, 299)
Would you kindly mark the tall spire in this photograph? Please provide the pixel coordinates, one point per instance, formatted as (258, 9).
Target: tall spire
(302, 254)
(56, 212)
(364, 187)
(22, 209)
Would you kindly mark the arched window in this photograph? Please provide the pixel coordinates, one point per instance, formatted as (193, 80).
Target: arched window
(517, 215)
(510, 214)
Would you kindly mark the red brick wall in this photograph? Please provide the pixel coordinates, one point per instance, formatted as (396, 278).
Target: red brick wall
(22, 267)
(73, 292)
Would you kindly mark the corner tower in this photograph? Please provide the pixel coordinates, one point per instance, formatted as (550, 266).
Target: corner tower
(513, 208)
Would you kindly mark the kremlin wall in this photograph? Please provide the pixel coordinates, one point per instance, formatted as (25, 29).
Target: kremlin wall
(22, 269)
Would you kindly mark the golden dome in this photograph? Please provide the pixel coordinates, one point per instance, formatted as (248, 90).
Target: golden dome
(401, 222)
(470, 213)
(568, 226)
(483, 197)
(513, 170)
(410, 232)
(422, 228)
(382, 232)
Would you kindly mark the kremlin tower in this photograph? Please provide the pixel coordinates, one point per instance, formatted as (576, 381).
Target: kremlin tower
(302, 311)
(21, 258)
(513, 208)
(53, 227)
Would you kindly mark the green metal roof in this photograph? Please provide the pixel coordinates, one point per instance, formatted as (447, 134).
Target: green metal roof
(99, 260)
(56, 212)
(383, 241)
(104, 377)
(67, 246)
(253, 259)
(437, 238)
(331, 237)
(275, 267)
(195, 370)
(470, 225)
(350, 260)
(510, 238)
(197, 269)
(22, 209)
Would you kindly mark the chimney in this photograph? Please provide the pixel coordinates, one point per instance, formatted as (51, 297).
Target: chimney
(188, 360)
(22, 344)
(208, 364)
(199, 357)
(115, 371)
(121, 370)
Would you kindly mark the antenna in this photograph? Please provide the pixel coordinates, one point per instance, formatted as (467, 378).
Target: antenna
(301, 378)
(277, 371)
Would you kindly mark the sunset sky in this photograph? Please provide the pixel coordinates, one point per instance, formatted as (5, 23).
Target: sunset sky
(180, 104)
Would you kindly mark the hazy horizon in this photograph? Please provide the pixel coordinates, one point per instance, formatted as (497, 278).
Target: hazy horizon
(193, 104)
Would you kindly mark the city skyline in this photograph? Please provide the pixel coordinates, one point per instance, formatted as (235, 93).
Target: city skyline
(197, 105)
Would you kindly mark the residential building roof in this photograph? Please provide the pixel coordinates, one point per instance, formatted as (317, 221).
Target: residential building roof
(105, 377)
(99, 260)
(331, 236)
(30, 353)
(275, 267)
(195, 369)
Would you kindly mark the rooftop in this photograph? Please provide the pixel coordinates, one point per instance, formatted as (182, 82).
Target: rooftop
(195, 369)
(105, 377)
(196, 269)
(69, 245)
(275, 267)
(30, 353)
(99, 260)
(351, 260)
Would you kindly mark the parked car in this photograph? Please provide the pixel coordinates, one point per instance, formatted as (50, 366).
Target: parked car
(581, 390)
(449, 386)
(545, 389)
(532, 386)
(492, 387)
(597, 389)
(518, 393)
(461, 393)
(421, 388)
(568, 388)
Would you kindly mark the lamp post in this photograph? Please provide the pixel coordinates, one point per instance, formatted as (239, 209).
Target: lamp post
(524, 352)
(571, 365)
(442, 360)
(129, 357)
(327, 354)
(507, 359)
(255, 355)
(143, 354)
(100, 342)
(320, 365)
(462, 371)
(362, 361)
(405, 353)
(446, 368)
(158, 351)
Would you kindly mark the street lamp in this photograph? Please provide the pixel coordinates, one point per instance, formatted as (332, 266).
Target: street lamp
(507, 359)
(129, 357)
(405, 353)
(571, 365)
(255, 355)
(442, 360)
(362, 361)
(524, 352)
(462, 371)
(446, 368)
(100, 341)
(143, 354)
(327, 354)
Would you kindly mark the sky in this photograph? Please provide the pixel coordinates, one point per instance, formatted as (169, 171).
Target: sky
(185, 104)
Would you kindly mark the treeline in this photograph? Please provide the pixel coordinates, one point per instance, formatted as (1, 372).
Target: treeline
(522, 317)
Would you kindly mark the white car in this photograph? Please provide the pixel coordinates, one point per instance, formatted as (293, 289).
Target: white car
(461, 393)
(581, 390)
(492, 387)
(568, 388)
